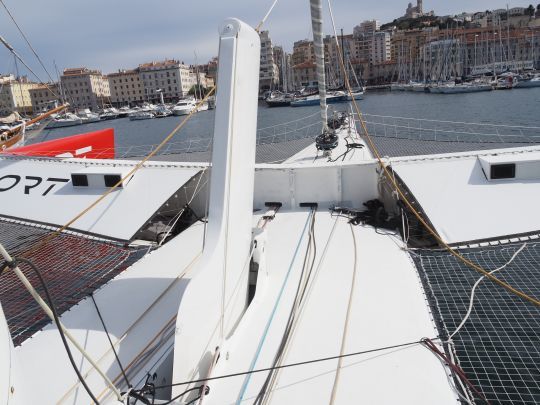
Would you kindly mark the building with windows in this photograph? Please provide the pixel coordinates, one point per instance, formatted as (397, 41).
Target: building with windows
(15, 95)
(44, 98)
(126, 88)
(304, 74)
(85, 88)
(172, 78)
(269, 72)
(368, 27)
(303, 51)
(283, 62)
(380, 47)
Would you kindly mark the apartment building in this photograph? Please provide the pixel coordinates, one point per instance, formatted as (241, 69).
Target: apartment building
(304, 74)
(303, 51)
(15, 95)
(85, 88)
(126, 88)
(269, 72)
(368, 27)
(283, 62)
(170, 77)
(380, 47)
(43, 98)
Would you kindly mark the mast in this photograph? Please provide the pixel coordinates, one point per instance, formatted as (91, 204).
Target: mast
(343, 56)
(316, 23)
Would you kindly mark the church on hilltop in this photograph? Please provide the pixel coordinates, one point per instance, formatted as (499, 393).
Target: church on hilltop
(415, 12)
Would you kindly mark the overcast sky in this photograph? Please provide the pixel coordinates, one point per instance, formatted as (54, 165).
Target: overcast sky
(113, 34)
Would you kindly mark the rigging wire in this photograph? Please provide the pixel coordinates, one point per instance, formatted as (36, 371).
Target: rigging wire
(296, 364)
(12, 265)
(10, 48)
(110, 341)
(432, 347)
(404, 198)
(27, 41)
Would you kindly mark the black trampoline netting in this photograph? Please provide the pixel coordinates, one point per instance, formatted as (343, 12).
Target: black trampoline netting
(498, 347)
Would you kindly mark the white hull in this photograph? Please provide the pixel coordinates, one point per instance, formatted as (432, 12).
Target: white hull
(63, 123)
(182, 111)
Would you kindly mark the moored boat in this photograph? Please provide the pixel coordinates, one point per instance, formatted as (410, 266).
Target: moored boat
(64, 120)
(184, 107)
(141, 115)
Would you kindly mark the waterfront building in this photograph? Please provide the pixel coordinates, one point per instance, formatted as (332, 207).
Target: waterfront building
(380, 47)
(43, 98)
(269, 72)
(171, 77)
(15, 95)
(126, 88)
(283, 62)
(85, 88)
(303, 51)
(304, 74)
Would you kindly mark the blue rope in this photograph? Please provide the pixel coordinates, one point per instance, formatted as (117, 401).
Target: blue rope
(265, 333)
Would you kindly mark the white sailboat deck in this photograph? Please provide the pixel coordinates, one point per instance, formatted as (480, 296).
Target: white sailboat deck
(464, 204)
(388, 308)
(139, 308)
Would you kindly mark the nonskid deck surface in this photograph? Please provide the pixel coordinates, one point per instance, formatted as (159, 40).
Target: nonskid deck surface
(498, 346)
(387, 308)
(73, 266)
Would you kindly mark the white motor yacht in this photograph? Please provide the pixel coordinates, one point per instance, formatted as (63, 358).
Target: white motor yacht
(87, 116)
(184, 107)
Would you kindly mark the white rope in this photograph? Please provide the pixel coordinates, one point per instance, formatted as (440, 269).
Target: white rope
(347, 318)
(476, 285)
(300, 311)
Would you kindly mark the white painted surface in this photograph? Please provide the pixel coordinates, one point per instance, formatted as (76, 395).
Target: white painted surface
(135, 305)
(388, 308)
(119, 215)
(203, 318)
(328, 184)
(463, 205)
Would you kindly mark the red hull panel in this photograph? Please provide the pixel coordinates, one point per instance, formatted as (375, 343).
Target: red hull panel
(92, 145)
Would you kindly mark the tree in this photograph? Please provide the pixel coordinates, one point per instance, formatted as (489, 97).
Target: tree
(530, 10)
(197, 91)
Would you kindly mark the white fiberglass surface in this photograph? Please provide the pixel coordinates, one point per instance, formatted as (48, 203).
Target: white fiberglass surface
(136, 306)
(41, 190)
(463, 205)
(388, 308)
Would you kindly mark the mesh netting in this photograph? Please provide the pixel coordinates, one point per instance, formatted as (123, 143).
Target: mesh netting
(72, 265)
(499, 345)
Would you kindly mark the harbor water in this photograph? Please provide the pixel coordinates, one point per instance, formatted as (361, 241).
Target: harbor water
(517, 107)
